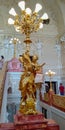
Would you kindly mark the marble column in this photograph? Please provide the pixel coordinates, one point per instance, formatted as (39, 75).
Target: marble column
(39, 50)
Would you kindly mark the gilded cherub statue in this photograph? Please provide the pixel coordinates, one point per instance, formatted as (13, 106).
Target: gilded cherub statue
(27, 84)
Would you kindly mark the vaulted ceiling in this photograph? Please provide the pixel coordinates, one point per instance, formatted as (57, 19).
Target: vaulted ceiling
(54, 8)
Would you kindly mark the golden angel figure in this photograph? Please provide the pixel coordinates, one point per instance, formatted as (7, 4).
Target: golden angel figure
(27, 84)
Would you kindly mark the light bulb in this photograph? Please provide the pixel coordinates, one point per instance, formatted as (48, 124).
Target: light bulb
(28, 11)
(41, 25)
(44, 16)
(17, 29)
(22, 5)
(46, 73)
(10, 21)
(12, 12)
(10, 41)
(14, 38)
(50, 71)
(38, 7)
(17, 39)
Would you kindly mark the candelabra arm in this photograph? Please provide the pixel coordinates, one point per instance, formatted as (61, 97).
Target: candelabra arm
(14, 49)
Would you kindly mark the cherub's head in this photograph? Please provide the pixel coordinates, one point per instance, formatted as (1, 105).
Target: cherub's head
(34, 58)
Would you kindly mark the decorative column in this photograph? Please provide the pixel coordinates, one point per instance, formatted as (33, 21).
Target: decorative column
(59, 69)
(61, 59)
(39, 50)
(14, 41)
(63, 62)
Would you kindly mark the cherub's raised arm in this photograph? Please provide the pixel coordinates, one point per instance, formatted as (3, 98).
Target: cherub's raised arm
(42, 64)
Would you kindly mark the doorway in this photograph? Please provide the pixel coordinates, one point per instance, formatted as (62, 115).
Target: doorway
(54, 86)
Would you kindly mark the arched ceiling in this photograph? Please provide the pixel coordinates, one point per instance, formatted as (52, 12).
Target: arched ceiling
(54, 9)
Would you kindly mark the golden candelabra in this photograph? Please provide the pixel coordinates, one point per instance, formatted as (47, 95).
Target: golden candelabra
(14, 41)
(50, 74)
(27, 23)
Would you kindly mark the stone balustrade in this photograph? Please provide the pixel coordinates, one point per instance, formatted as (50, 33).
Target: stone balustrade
(55, 100)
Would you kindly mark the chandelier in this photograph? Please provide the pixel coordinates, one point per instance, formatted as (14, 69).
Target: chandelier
(28, 22)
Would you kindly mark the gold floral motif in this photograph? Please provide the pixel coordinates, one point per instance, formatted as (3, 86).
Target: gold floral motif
(59, 101)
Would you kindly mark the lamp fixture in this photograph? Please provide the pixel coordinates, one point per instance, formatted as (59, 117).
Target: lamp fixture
(50, 74)
(14, 41)
(29, 21)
